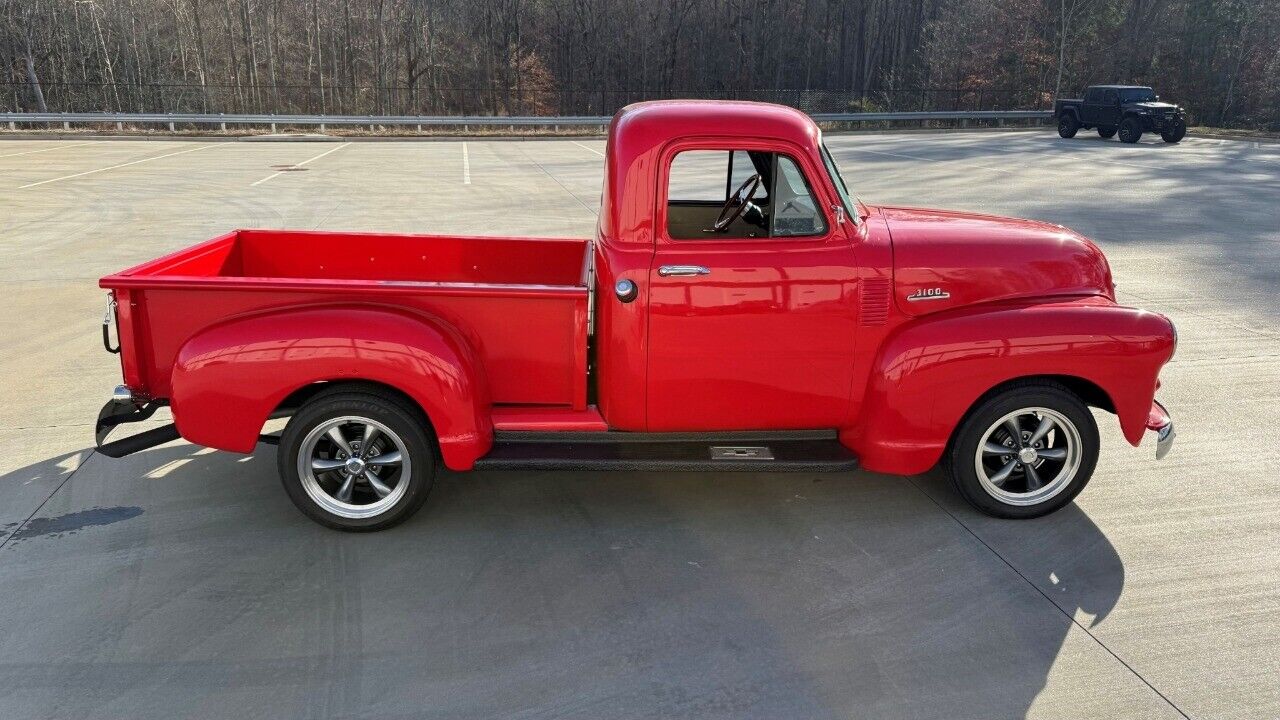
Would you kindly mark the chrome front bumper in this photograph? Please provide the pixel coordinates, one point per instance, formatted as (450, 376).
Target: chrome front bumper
(1159, 420)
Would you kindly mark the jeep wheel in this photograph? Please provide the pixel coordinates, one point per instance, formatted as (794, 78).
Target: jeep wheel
(1106, 133)
(1175, 132)
(357, 460)
(1067, 126)
(1130, 130)
(1024, 452)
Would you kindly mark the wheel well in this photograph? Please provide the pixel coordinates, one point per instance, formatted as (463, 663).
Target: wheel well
(1088, 391)
(1069, 112)
(307, 393)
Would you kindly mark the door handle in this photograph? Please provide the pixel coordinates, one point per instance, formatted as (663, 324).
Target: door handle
(682, 270)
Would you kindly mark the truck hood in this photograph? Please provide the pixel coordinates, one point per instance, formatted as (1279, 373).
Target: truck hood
(945, 259)
(1154, 106)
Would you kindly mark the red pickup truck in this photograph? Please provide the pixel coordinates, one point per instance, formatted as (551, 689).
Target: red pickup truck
(737, 309)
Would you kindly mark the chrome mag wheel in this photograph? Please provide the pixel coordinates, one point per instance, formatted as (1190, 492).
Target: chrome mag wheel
(354, 467)
(1028, 456)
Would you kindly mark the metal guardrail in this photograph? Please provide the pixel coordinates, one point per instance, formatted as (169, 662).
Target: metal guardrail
(322, 121)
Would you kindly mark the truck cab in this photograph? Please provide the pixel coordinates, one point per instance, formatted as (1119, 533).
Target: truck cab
(737, 309)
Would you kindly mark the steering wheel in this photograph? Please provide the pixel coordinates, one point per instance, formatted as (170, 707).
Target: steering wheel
(735, 205)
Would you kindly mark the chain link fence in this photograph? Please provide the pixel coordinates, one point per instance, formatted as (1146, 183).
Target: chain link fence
(394, 100)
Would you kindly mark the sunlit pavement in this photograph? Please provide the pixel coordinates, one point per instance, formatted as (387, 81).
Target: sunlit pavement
(181, 580)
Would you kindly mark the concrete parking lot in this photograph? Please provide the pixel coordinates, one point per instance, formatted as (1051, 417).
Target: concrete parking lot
(180, 582)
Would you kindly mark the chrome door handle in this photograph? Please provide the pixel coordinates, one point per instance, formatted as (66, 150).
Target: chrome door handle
(682, 270)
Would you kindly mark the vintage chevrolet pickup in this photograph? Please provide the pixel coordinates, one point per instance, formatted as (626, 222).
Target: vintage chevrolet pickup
(737, 309)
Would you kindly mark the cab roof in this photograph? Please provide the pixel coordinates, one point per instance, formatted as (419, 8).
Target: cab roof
(1122, 87)
(639, 132)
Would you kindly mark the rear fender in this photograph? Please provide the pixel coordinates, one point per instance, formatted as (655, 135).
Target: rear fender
(228, 378)
(932, 371)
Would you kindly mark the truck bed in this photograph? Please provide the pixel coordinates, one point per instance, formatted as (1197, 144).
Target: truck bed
(520, 302)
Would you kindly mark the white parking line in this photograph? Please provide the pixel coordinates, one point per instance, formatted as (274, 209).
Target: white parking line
(114, 167)
(32, 152)
(466, 166)
(584, 147)
(295, 167)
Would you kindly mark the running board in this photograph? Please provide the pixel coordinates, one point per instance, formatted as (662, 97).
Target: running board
(762, 452)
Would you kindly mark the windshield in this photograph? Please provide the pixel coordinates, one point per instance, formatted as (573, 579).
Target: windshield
(838, 180)
(1137, 95)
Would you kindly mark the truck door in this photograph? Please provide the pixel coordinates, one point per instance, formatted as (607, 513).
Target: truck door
(1090, 107)
(751, 294)
(1109, 109)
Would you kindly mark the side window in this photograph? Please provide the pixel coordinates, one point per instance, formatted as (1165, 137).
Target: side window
(796, 212)
(739, 194)
(1109, 97)
(1092, 95)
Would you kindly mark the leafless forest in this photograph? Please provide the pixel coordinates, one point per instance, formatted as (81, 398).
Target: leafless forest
(1220, 58)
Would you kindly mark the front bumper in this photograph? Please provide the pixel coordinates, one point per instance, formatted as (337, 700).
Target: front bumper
(1160, 422)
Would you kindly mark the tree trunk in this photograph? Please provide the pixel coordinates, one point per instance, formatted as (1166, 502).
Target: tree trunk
(32, 79)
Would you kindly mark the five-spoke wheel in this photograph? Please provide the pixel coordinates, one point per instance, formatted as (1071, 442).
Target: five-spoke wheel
(353, 466)
(1028, 456)
(357, 460)
(1025, 451)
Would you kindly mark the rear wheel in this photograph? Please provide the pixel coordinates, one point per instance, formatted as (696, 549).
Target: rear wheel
(357, 461)
(1130, 130)
(1175, 132)
(1067, 126)
(1106, 133)
(1025, 452)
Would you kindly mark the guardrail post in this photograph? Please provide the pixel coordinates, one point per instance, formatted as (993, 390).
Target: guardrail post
(321, 127)
(119, 126)
(171, 128)
(273, 127)
(13, 125)
(66, 125)
(419, 127)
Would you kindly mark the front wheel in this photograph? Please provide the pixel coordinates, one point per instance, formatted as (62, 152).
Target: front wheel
(1175, 132)
(1067, 126)
(1130, 130)
(357, 461)
(1025, 452)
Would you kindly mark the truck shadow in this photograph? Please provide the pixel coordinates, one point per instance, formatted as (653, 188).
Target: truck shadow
(556, 594)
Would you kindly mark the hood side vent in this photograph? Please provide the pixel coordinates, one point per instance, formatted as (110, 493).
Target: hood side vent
(875, 301)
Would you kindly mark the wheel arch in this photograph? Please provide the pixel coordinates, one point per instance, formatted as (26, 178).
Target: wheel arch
(230, 378)
(1089, 392)
(931, 373)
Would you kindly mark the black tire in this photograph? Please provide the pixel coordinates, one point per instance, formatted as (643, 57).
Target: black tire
(406, 424)
(1022, 499)
(1175, 132)
(1106, 133)
(1130, 130)
(1067, 126)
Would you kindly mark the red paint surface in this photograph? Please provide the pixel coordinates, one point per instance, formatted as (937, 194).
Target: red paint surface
(784, 333)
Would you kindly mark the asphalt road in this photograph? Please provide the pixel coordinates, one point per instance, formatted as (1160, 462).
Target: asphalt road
(180, 582)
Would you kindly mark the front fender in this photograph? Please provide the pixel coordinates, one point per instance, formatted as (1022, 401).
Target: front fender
(930, 372)
(228, 378)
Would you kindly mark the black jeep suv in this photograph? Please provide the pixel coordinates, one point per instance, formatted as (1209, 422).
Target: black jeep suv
(1129, 109)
